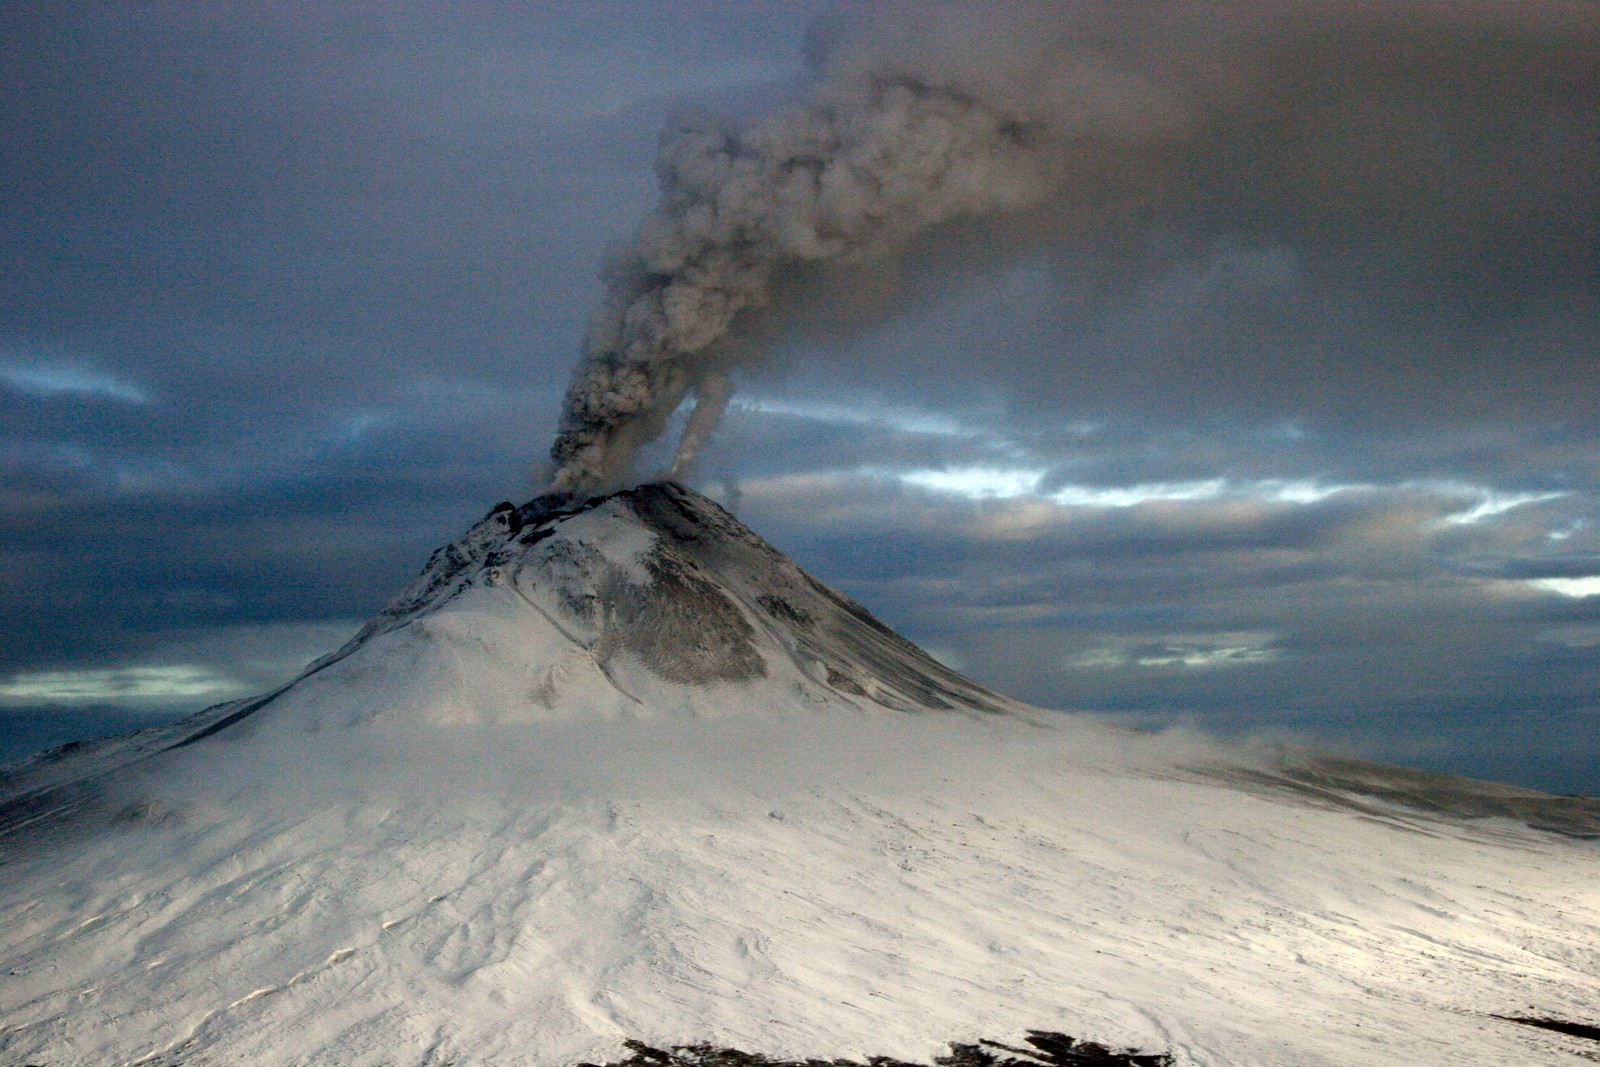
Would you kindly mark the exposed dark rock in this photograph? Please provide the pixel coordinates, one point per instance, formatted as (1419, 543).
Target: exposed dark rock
(1560, 1026)
(1049, 1049)
(784, 611)
(686, 630)
(844, 683)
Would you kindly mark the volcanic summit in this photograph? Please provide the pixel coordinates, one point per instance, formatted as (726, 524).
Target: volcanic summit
(616, 769)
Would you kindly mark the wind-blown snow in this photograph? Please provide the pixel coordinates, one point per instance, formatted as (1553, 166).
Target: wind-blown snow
(504, 827)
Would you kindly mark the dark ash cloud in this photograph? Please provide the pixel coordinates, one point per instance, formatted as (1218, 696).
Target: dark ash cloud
(1334, 209)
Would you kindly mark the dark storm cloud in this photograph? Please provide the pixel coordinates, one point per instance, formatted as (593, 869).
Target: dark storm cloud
(330, 195)
(238, 178)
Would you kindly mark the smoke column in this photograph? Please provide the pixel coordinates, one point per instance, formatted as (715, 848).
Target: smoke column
(884, 148)
(918, 116)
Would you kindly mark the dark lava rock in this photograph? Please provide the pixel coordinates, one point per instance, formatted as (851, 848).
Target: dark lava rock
(1049, 1049)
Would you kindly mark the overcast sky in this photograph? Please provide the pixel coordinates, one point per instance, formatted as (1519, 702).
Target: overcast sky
(1285, 429)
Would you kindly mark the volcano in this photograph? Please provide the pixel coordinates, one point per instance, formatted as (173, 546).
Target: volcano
(617, 770)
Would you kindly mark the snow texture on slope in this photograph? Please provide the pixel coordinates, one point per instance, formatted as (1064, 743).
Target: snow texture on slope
(617, 769)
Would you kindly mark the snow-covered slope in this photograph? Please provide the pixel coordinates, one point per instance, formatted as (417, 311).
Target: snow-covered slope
(621, 770)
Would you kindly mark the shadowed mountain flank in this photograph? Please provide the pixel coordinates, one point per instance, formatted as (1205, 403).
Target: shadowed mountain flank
(830, 637)
(668, 577)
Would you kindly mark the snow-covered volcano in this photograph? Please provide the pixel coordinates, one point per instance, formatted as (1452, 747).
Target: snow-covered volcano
(619, 769)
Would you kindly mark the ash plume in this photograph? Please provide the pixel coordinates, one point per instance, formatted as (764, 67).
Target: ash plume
(1039, 120)
(887, 146)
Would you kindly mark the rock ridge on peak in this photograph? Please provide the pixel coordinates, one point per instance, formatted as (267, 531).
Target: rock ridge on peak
(665, 575)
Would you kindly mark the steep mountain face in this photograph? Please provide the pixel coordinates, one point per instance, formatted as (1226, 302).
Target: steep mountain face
(617, 769)
(662, 580)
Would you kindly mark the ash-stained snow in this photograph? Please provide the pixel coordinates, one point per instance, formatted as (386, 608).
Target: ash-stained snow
(619, 770)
